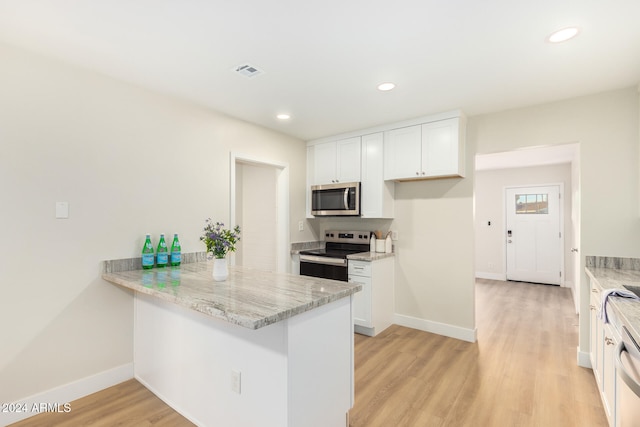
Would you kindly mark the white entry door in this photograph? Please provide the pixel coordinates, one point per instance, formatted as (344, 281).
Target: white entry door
(533, 235)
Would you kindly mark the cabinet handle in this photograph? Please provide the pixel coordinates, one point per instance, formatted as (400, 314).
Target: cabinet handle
(595, 291)
(608, 341)
(417, 173)
(423, 173)
(592, 307)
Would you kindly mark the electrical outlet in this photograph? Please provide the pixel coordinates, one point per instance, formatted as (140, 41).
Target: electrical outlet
(236, 381)
(490, 266)
(300, 225)
(394, 235)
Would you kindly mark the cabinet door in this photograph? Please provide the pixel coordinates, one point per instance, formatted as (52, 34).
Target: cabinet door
(610, 342)
(348, 160)
(594, 338)
(376, 194)
(440, 148)
(362, 301)
(597, 369)
(402, 153)
(324, 163)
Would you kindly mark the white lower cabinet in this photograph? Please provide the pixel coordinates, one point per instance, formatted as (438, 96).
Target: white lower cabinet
(374, 305)
(604, 339)
(609, 377)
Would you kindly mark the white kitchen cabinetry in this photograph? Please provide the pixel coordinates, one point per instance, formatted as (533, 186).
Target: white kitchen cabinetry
(376, 194)
(604, 339)
(609, 377)
(596, 333)
(336, 161)
(429, 150)
(373, 307)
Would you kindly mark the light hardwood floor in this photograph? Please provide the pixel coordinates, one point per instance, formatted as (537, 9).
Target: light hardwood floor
(521, 372)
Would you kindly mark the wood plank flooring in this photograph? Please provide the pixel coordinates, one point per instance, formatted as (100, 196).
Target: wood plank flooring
(128, 404)
(521, 372)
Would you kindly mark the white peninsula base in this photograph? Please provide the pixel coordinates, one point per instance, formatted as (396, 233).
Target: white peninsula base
(296, 372)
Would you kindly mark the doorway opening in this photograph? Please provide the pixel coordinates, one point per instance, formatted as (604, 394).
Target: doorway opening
(526, 167)
(260, 205)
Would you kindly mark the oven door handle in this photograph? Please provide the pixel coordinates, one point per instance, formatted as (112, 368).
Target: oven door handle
(622, 371)
(323, 260)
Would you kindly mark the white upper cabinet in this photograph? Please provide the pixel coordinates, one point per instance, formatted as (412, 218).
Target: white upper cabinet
(376, 194)
(441, 149)
(336, 161)
(430, 150)
(402, 152)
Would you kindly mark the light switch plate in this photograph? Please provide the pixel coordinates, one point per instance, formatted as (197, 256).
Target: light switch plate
(62, 210)
(236, 381)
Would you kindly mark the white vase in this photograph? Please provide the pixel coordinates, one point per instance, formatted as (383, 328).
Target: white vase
(220, 269)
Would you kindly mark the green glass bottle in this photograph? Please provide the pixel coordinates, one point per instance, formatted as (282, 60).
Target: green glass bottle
(176, 251)
(162, 254)
(147, 253)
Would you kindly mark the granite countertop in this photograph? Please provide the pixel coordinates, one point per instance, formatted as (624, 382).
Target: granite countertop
(370, 256)
(249, 298)
(625, 309)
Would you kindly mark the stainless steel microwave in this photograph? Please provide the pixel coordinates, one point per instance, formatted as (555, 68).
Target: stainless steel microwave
(342, 199)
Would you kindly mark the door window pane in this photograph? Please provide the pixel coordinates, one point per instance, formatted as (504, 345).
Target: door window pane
(532, 204)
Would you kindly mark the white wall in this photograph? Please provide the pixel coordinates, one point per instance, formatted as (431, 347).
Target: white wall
(606, 127)
(435, 256)
(256, 211)
(489, 206)
(128, 161)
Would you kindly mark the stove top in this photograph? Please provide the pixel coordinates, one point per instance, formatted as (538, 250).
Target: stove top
(339, 244)
(334, 253)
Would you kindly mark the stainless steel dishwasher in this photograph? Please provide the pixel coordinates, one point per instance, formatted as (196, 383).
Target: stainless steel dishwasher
(628, 368)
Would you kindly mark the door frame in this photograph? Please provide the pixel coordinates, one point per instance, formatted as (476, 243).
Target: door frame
(561, 213)
(282, 193)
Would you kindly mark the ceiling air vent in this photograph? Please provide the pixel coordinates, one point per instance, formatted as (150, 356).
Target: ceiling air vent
(248, 71)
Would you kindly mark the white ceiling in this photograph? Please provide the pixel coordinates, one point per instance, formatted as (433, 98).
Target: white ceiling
(323, 59)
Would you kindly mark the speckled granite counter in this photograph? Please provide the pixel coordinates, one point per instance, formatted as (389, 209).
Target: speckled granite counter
(273, 333)
(370, 256)
(306, 246)
(612, 273)
(249, 298)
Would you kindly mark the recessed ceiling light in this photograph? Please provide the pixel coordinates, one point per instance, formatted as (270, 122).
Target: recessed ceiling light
(386, 86)
(283, 116)
(563, 35)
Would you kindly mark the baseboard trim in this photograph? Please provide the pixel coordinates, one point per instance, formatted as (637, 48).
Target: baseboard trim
(491, 276)
(464, 334)
(584, 359)
(168, 402)
(66, 393)
(363, 330)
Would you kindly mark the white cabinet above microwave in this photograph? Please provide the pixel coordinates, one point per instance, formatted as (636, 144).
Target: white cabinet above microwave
(335, 161)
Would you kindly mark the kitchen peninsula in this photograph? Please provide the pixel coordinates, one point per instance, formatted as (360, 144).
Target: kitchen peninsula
(260, 348)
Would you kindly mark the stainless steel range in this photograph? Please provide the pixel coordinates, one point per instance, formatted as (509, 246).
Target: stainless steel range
(331, 262)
